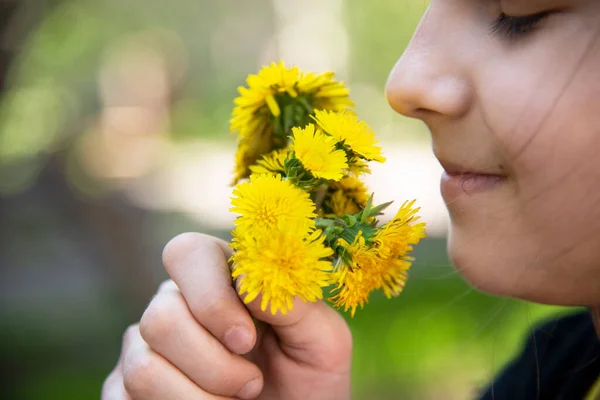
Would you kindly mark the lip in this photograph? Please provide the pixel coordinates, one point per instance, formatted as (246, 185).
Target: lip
(458, 179)
(459, 169)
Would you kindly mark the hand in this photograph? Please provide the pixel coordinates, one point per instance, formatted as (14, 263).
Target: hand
(197, 340)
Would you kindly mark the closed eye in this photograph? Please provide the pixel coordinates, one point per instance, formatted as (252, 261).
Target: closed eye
(512, 27)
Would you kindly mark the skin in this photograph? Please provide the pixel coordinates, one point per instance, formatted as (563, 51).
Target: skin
(524, 108)
(196, 339)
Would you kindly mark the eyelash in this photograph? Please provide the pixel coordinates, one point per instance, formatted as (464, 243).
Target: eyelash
(512, 27)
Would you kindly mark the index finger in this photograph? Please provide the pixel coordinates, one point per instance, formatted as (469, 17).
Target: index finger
(197, 263)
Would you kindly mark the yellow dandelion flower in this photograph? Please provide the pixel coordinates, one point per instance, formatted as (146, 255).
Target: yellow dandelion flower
(348, 196)
(271, 163)
(258, 116)
(326, 92)
(393, 242)
(381, 265)
(392, 275)
(346, 127)
(316, 151)
(281, 265)
(247, 153)
(261, 91)
(357, 167)
(241, 162)
(355, 283)
(267, 202)
(352, 291)
(396, 238)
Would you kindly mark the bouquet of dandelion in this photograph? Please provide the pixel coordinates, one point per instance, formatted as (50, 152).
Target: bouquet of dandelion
(306, 222)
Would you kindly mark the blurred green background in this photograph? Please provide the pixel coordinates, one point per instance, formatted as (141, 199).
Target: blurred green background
(110, 113)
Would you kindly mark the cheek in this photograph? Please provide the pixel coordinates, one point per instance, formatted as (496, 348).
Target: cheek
(526, 89)
(557, 167)
(540, 238)
(559, 203)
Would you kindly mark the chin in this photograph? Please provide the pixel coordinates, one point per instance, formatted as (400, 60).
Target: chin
(478, 262)
(511, 275)
(480, 274)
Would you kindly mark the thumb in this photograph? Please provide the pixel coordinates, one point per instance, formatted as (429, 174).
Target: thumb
(312, 333)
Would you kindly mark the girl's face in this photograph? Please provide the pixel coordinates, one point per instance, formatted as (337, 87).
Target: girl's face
(510, 91)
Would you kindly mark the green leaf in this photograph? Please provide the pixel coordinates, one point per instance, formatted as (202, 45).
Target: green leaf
(367, 209)
(352, 220)
(378, 209)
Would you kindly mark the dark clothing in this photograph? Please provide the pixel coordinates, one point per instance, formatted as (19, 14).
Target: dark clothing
(561, 361)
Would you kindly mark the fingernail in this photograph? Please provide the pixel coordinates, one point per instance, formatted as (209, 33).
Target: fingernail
(250, 390)
(237, 339)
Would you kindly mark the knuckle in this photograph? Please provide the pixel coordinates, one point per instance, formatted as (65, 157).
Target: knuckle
(161, 318)
(212, 306)
(227, 377)
(138, 372)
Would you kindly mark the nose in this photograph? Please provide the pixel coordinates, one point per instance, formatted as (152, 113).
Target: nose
(430, 78)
